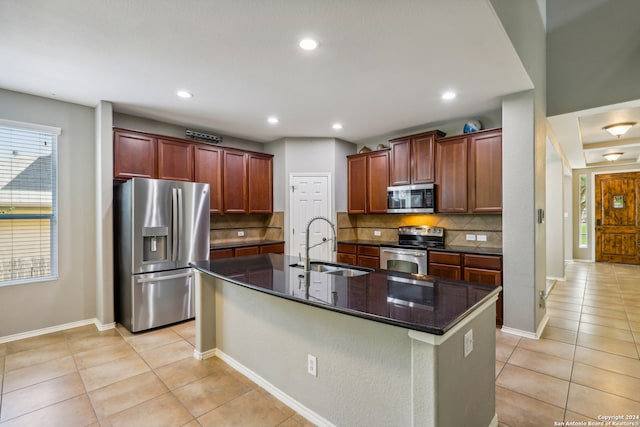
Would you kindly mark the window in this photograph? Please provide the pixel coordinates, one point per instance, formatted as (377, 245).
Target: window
(28, 211)
(582, 212)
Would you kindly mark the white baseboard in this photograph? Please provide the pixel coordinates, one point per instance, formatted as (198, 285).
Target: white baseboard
(273, 390)
(526, 334)
(494, 421)
(57, 328)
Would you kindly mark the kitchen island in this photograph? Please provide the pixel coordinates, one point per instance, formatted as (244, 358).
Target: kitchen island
(389, 347)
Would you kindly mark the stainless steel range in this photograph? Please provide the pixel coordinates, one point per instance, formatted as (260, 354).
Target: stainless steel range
(410, 256)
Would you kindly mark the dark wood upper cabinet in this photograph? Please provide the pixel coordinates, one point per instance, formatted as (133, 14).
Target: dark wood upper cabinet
(175, 160)
(208, 169)
(134, 155)
(357, 184)
(368, 179)
(485, 172)
(469, 173)
(260, 181)
(412, 158)
(377, 181)
(234, 182)
(400, 162)
(240, 181)
(452, 175)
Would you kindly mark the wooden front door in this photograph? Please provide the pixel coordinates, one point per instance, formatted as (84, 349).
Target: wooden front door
(617, 218)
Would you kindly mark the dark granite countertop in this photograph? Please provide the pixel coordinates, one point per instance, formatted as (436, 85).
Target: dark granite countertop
(244, 243)
(448, 248)
(424, 303)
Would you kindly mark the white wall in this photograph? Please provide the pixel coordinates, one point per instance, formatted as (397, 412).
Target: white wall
(72, 297)
(153, 126)
(554, 217)
(592, 55)
(523, 150)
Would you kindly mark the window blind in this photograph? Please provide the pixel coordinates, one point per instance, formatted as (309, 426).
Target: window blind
(28, 208)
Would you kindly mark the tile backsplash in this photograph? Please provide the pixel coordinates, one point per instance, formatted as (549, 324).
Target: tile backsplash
(457, 227)
(225, 228)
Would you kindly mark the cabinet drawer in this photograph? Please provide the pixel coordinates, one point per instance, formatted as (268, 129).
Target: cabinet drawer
(346, 248)
(483, 261)
(249, 250)
(276, 249)
(368, 250)
(368, 261)
(346, 258)
(445, 258)
(221, 253)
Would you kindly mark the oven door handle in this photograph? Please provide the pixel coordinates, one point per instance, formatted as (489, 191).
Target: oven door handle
(416, 254)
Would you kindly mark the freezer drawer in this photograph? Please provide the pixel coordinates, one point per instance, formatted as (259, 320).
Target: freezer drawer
(158, 299)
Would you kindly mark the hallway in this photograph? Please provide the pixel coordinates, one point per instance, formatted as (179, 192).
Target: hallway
(586, 364)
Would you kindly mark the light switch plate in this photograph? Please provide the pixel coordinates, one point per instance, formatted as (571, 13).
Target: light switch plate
(471, 237)
(240, 233)
(376, 232)
(481, 237)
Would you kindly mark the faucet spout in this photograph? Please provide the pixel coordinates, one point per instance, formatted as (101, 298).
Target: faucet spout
(307, 261)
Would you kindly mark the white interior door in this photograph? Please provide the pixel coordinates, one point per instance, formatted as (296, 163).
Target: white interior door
(310, 198)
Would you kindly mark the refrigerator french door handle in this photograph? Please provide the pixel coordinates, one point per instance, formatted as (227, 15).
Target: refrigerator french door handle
(174, 224)
(180, 221)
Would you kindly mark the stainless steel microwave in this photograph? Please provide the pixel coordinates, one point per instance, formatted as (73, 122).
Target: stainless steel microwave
(419, 198)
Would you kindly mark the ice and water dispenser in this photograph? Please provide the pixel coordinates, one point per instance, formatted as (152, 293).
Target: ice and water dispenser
(155, 244)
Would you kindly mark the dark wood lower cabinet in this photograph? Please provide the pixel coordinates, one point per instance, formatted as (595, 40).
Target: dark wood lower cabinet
(485, 269)
(277, 248)
(360, 255)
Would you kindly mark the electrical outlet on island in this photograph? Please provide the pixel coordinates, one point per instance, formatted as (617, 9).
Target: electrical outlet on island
(377, 233)
(240, 233)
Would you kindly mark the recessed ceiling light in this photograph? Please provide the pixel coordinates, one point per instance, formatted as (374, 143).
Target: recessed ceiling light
(337, 126)
(308, 44)
(448, 95)
(273, 120)
(184, 94)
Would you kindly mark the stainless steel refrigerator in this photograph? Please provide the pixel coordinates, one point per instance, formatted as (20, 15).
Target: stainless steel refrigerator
(160, 226)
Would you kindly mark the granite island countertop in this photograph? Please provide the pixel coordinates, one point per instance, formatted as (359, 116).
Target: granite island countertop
(424, 303)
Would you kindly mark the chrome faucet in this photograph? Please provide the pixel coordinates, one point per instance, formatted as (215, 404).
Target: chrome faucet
(307, 261)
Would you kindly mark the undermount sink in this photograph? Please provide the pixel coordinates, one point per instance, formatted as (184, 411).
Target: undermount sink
(335, 269)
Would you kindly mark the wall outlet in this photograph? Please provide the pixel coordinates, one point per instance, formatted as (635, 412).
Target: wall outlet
(471, 237)
(312, 365)
(481, 237)
(377, 233)
(240, 233)
(468, 342)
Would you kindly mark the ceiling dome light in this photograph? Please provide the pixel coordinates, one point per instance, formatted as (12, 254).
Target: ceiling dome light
(273, 120)
(337, 126)
(619, 129)
(612, 156)
(184, 94)
(308, 44)
(448, 95)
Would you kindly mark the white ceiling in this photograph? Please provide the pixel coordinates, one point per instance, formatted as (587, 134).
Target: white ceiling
(381, 65)
(584, 141)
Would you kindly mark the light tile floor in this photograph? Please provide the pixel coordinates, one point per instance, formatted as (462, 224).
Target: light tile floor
(587, 363)
(82, 377)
